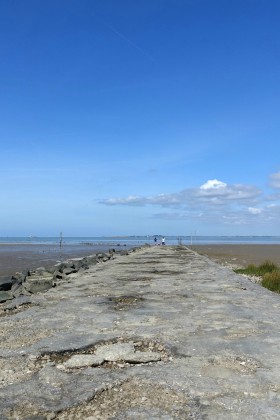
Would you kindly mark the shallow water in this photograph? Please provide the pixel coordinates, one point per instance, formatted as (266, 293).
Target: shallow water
(131, 241)
(22, 253)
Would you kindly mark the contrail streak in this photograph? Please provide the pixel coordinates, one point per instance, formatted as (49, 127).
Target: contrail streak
(122, 36)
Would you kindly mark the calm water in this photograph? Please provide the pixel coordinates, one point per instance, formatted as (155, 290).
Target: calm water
(19, 253)
(131, 241)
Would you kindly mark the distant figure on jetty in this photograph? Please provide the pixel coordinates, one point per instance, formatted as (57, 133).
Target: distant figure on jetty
(163, 241)
(155, 240)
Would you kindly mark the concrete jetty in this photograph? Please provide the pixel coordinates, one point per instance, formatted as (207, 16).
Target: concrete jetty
(161, 333)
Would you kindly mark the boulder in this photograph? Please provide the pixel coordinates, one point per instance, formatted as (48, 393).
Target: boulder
(41, 271)
(5, 295)
(17, 288)
(6, 283)
(81, 264)
(20, 277)
(58, 275)
(62, 266)
(17, 302)
(91, 260)
(36, 284)
(69, 270)
(102, 257)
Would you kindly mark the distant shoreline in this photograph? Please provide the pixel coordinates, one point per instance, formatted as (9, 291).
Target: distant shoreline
(136, 240)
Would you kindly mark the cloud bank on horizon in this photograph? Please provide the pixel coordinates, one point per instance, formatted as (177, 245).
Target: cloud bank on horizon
(213, 201)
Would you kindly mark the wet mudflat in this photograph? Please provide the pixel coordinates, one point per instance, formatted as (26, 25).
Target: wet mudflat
(20, 257)
(161, 333)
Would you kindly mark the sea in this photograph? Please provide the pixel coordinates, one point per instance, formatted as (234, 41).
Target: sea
(132, 241)
(22, 253)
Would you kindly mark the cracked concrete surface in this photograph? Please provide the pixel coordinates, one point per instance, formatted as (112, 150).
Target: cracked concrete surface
(210, 338)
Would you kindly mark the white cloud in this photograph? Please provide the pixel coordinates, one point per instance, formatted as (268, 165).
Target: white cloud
(255, 210)
(212, 184)
(221, 194)
(213, 203)
(130, 200)
(212, 193)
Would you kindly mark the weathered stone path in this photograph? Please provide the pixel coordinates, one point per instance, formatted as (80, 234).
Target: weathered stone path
(162, 333)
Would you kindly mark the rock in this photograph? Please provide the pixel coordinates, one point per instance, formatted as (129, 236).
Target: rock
(42, 271)
(58, 275)
(69, 270)
(62, 266)
(5, 295)
(102, 257)
(72, 266)
(18, 301)
(81, 264)
(15, 303)
(143, 357)
(35, 284)
(18, 289)
(114, 352)
(83, 360)
(91, 260)
(20, 277)
(123, 253)
(6, 283)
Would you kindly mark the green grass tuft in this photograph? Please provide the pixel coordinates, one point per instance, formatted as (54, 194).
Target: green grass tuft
(269, 272)
(271, 281)
(260, 270)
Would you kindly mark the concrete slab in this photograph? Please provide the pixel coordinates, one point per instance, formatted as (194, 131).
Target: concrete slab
(216, 336)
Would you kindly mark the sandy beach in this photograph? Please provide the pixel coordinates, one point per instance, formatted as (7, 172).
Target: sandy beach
(240, 255)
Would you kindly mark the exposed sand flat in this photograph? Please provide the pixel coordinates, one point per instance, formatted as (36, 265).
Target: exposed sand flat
(239, 254)
(163, 333)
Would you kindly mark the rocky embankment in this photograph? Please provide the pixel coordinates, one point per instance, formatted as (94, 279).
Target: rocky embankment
(19, 286)
(160, 333)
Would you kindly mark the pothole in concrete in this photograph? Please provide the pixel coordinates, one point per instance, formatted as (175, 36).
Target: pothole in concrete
(134, 399)
(114, 354)
(123, 303)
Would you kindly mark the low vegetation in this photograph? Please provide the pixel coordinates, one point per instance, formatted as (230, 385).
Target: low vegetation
(268, 271)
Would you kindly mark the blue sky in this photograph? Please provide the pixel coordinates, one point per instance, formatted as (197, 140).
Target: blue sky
(140, 117)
